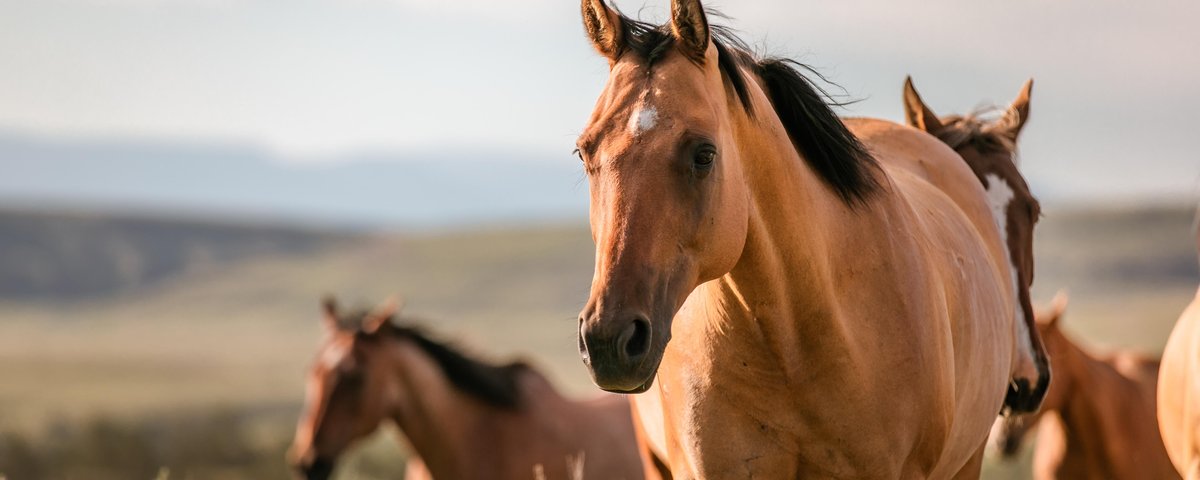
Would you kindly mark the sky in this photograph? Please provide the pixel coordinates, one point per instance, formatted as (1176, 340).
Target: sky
(320, 81)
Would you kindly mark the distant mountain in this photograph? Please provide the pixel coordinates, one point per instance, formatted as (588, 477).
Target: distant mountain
(73, 256)
(407, 191)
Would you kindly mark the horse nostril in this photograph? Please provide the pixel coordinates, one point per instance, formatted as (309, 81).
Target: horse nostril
(635, 339)
(583, 351)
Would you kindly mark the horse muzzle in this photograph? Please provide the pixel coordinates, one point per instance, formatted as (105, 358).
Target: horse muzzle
(317, 469)
(621, 352)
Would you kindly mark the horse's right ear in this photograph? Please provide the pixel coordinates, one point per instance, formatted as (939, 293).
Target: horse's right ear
(329, 314)
(1058, 307)
(916, 113)
(604, 29)
(382, 314)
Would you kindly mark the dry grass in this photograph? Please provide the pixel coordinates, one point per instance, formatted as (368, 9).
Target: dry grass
(238, 339)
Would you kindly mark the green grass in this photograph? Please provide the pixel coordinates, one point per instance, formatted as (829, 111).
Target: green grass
(236, 340)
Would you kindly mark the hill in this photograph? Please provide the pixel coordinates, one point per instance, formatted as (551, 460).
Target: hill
(73, 256)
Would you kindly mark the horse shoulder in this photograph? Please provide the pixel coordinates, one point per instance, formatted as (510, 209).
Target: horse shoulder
(1179, 390)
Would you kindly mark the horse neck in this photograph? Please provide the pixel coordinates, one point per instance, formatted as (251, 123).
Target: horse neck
(787, 262)
(437, 419)
(1102, 406)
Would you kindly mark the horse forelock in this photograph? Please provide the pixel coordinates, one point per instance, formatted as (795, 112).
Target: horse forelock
(977, 129)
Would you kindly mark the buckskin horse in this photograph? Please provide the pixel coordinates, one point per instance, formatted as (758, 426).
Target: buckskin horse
(1179, 391)
(465, 419)
(1098, 418)
(789, 295)
(990, 149)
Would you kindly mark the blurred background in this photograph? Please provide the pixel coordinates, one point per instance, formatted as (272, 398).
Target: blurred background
(180, 181)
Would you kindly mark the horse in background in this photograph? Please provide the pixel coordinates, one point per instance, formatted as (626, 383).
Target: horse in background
(788, 294)
(463, 418)
(1098, 418)
(990, 149)
(1179, 390)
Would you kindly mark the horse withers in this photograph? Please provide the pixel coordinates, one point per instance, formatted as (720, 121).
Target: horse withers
(789, 295)
(990, 148)
(1098, 419)
(1179, 391)
(463, 418)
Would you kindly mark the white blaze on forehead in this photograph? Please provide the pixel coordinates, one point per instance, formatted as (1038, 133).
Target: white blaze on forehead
(645, 115)
(999, 196)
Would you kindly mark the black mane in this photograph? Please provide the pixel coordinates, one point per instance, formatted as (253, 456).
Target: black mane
(495, 385)
(835, 154)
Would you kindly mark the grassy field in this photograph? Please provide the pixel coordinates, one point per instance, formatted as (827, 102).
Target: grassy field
(216, 355)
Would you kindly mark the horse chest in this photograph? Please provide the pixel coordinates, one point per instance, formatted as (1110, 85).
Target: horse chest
(733, 420)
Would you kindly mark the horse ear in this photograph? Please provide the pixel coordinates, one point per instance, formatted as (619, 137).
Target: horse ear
(916, 113)
(382, 314)
(690, 26)
(603, 25)
(1058, 307)
(329, 314)
(1018, 112)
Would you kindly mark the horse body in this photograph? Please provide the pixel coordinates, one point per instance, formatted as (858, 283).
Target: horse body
(789, 305)
(788, 365)
(1098, 420)
(462, 418)
(1179, 392)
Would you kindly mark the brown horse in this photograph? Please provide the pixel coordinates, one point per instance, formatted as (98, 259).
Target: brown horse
(465, 419)
(797, 297)
(990, 149)
(1098, 420)
(1179, 391)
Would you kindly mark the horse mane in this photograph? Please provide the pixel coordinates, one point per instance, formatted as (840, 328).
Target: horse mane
(839, 159)
(495, 385)
(976, 130)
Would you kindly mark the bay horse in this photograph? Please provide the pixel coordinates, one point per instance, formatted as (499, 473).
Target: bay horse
(464, 419)
(990, 149)
(785, 294)
(1179, 391)
(1098, 419)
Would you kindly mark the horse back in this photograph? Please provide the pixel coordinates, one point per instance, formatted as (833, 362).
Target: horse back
(916, 152)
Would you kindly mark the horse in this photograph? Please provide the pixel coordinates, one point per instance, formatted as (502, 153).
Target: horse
(1179, 391)
(783, 293)
(990, 149)
(1098, 419)
(464, 419)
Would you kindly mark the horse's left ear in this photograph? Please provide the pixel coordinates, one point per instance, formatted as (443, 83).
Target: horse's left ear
(690, 26)
(1018, 112)
(916, 113)
(382, 314)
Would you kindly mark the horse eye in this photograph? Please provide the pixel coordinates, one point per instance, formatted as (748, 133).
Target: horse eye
(578, 154)
(705, 157)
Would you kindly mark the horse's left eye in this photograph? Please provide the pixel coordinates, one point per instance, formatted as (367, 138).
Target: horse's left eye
(705, 157)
